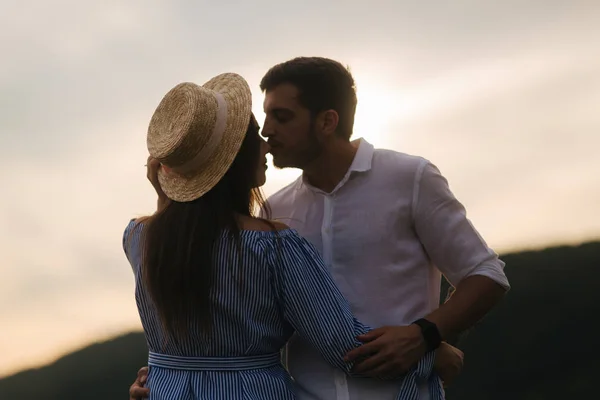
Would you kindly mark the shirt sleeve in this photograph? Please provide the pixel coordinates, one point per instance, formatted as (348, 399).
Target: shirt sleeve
(132, 243)
(311, 301)
(449, 238)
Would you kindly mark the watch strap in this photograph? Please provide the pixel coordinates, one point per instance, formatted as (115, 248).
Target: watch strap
(430, 333)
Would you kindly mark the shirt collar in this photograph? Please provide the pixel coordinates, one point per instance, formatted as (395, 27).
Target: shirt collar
(361, 163)
(363, 158)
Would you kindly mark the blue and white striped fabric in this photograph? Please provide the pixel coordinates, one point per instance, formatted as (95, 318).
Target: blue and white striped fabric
(287, 288)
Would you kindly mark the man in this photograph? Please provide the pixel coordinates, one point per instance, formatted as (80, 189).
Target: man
(386, 224)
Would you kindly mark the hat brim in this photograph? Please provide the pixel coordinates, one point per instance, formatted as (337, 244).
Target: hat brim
(189, 187)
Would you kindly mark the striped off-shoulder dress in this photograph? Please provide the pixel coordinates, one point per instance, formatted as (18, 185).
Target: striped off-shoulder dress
(287, 288)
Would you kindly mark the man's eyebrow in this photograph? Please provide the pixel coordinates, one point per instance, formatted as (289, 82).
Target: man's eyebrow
(281, 109)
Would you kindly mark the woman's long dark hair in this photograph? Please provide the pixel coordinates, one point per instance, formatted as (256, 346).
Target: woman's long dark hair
(179, 240)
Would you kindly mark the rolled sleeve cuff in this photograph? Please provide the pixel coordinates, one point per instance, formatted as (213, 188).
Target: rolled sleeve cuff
(494, 271)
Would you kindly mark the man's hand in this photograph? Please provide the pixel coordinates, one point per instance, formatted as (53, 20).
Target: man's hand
(449, 363)
(137, 391)
(389, 351)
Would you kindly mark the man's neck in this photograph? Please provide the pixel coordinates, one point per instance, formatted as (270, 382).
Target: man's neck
(329, 169)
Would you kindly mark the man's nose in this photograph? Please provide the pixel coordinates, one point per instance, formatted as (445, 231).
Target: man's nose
(267, 130)
(266, 133)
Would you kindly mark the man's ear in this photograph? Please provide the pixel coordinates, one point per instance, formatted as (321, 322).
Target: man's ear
(328, 122)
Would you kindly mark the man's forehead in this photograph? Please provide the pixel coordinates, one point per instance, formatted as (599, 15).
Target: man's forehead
(281, 96)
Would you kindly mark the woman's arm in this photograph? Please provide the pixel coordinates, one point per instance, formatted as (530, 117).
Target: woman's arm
(152, 167)
(315, 307)
(132, 242)
(311, 302)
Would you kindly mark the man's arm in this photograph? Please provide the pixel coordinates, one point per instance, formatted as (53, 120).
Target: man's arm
(455, 340)
(475, 296)
(455, 247)
(460, 253)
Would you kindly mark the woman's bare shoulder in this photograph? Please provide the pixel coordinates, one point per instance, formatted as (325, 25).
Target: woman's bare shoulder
(259, 224)
(280, 226)
(140, 220)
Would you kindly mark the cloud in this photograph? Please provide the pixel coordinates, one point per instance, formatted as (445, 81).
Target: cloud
(521, 158)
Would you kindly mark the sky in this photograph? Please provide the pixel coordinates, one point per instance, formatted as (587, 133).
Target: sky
(501, 96)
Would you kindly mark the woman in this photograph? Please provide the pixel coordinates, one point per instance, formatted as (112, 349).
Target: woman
(220, 292)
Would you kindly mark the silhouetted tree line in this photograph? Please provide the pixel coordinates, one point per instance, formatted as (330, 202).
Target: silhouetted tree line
(540, 343)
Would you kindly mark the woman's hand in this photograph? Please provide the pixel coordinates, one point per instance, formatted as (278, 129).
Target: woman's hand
(152, 167)
(137, 391)
(448, 363)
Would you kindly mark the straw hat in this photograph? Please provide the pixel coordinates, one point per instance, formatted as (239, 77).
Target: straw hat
(196, 133)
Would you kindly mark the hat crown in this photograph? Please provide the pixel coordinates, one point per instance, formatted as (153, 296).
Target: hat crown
(182, 129)
(196, 132)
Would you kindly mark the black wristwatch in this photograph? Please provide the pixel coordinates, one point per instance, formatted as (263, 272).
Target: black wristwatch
(430, 332)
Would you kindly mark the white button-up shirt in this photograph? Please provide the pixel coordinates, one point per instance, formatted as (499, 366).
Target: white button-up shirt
(386, 232)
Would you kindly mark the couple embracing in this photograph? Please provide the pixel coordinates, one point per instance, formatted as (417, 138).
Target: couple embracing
(341, 268)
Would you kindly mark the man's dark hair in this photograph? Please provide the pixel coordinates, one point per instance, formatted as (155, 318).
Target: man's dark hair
(323, 84)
